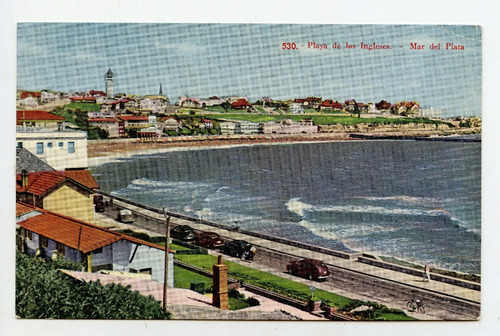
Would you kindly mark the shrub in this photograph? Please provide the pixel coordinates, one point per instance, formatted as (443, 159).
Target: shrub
(43, 292)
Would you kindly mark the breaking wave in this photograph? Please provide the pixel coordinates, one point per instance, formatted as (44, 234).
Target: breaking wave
(296, 206)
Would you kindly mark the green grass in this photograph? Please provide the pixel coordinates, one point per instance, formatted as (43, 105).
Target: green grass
(183, 278)
(260, 109)
(83, 106)
(327, 119)
(280, 285)
(266, 280)
(236, 304)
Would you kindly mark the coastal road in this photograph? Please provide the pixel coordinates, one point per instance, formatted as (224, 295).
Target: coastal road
(343, 281)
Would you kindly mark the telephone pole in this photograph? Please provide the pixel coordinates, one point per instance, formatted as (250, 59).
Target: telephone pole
(167, 244)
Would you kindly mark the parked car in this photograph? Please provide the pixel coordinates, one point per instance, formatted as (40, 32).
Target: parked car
(308, 268)
(125, 216)
(237, 248)
(209, 239)
(183, 232)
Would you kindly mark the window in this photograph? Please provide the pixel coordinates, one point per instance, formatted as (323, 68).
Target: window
(71, 147)
(61, 145)
(49, 144)
(98, 251)
(39, 147)
(61, 249)
(44, 242)
(19, 145)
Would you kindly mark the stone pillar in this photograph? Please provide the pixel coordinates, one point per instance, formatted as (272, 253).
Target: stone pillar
(220, 297)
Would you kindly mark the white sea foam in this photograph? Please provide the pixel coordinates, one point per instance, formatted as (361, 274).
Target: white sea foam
(205, 212)
(296, 206)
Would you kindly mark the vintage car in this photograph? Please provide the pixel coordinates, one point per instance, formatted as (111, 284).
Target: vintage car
(308, 268)
(209, 239)
(125, 216)
(237, 248)
(183, 232)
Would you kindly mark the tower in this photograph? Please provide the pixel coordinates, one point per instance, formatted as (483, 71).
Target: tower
(161, 91)
(109, 83)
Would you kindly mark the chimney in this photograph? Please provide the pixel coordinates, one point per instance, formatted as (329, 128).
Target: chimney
(220, 297)
(24, 178)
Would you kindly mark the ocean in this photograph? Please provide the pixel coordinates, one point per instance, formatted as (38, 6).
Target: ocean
(414, 200)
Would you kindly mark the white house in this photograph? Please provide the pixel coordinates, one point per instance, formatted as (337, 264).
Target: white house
(230, 127)
(248, 127)
(59, 149)
(97, 248)
(430, 113)
(296, 108)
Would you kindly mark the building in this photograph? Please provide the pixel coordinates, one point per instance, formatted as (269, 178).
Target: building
(69, 193)
(241, 104)
(296, 108)
(59, 149)
(97, 248)
(25, 160)
(135, 121)
(170, 123)
(230, 127)
(248, 127)
(108, 78)
(288, 126)
(153, 104)
(39, 119)
(113, 126)
(430, 113)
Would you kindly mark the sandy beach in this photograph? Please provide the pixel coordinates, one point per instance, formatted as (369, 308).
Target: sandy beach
(102, 151)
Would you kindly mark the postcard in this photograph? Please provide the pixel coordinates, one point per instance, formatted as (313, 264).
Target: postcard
(248, 171)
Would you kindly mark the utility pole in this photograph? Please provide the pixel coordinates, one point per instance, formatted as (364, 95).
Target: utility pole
(167, 244)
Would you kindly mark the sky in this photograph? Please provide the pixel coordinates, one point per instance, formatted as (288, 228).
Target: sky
(202, 60)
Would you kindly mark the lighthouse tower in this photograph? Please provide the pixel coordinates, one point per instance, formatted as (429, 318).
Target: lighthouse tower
(108, 77)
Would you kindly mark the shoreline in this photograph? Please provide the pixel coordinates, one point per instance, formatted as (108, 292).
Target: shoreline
(124, 149)
(110, 150)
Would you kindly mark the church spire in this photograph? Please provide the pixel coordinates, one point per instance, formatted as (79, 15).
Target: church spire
(161, 91)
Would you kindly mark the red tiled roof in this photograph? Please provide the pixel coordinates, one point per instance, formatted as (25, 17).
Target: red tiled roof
(83, 177)
(240, 103)
(74, 233)
(104, 119)
(22, 209)
(26, 94)
(134, 118)
(83, 98)
(37, 115)
(93, 93)
(42, 182)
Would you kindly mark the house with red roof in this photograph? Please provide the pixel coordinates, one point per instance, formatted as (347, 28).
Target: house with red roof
(67, 192)
(170, 123)
(85, 99)
(39, 119)
(97, 248)
(241, 104)
(114, 126)
(330, 104)
(135, 121)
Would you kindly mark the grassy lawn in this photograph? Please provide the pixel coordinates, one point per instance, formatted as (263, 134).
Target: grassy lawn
(183, 279)
(83, 106)
(282, 285)
(327, 119)
(266, 280)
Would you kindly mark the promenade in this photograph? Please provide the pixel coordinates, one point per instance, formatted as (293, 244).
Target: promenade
(383, 274)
